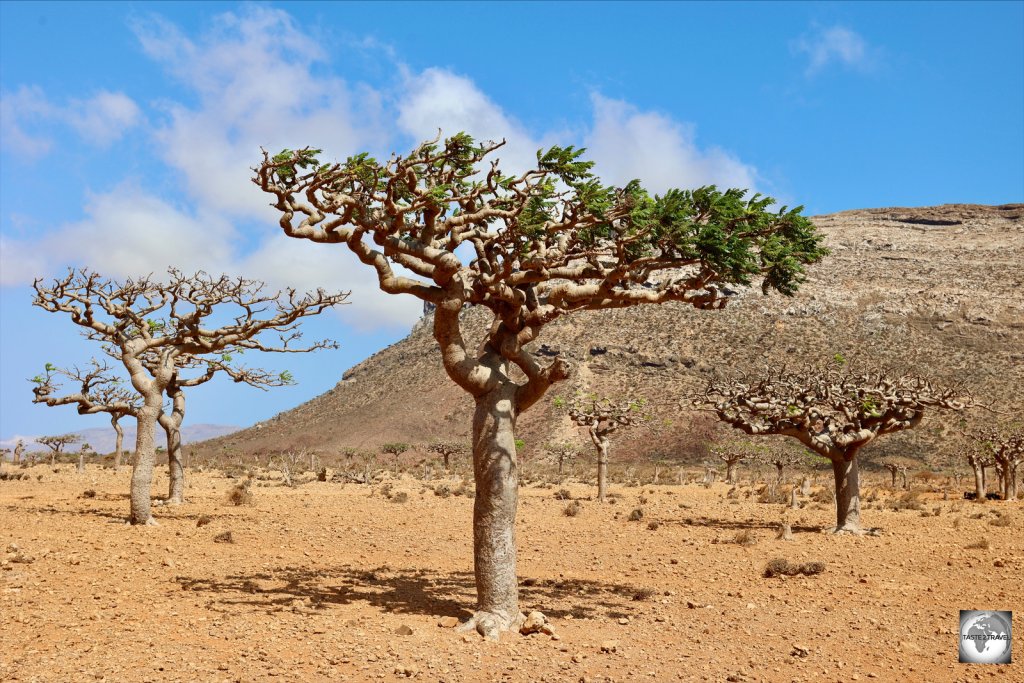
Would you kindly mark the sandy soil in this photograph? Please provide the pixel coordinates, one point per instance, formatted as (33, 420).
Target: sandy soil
(323, 580)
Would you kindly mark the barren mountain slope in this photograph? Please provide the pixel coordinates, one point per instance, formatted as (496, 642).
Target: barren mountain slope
(935, 289)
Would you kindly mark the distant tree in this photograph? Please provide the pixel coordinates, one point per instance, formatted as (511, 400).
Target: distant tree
(732, 454)
(536, 246)
(780, 458)
(896, 466)
(56, 444)
(1002, 448)
(447, 450)
(151, 327)
(833, 412)
(83, 451)
(19, 450)
(100, 391)
(563, 452)
(603, 417)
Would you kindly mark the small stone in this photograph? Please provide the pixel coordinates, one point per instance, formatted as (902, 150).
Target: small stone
(999, 563)
(407, 670)
(404, 630)
(623, 621)
(535, 622)
(800, 651)
(610, 646)
(577, 658)
(751, 605)
(168, 562)
(448, 622)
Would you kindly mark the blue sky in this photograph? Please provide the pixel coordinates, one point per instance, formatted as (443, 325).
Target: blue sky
(127, 131)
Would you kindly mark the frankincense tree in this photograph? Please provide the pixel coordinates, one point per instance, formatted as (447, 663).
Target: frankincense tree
(152, 327)
(536, 246)
(833, 412)
(603, 417)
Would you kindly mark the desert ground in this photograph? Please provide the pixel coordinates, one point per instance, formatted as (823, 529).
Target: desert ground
(348, 582)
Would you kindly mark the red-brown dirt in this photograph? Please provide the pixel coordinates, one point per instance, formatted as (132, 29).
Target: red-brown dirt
(322, 579)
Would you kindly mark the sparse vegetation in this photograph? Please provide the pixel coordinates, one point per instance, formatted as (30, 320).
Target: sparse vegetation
(572, 509)
(241, 493)
(783, 567)
(636, 515)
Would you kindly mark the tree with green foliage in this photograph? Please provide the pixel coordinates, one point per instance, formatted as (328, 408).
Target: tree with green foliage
(56, 444)
(446, 225)
(831, 410)
(152, 328)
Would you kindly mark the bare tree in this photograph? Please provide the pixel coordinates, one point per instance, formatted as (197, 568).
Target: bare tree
(896, 466)
(564, 452)
(780, 458)
(1004, 449)
(603, 417)
(99, 392)
(447, 450)
(151, 327)
(56, 444)
(732, 454)
(537, 246)
(833, 412)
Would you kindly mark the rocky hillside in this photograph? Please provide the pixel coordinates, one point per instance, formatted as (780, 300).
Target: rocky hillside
(937, 290)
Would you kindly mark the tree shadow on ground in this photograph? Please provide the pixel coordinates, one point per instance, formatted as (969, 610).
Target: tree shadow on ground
(409, 591)
(737, 525)
(78, 512)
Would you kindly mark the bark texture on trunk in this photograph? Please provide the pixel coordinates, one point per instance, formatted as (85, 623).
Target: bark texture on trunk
(979, 482)
(730, 472)
(175, 467)
(494, 513)
(602, 471)
(119, 442)
(142, 470)
(847, 479)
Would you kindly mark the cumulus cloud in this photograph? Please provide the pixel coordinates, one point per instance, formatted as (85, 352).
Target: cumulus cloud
(253, 74)
(126, 232)
(627, 143)
(833, 44)
(25, 104)
(99, 120)
(437, 98)
(285, 262)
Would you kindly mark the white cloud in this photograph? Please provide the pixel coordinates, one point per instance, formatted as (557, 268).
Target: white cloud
(253, 73)
(26, 104)
(100, 120)
(833, 44)
(104, 118)
(627, 143)
(126, 232)
(437, 98)
(282, 261)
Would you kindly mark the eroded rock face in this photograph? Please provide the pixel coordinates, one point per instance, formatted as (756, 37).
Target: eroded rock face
(939, 288)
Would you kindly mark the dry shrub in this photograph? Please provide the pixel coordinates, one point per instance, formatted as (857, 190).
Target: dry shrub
(88, 493)
(1003, 519)
(980, 544)
(240, 493)
(822, 495)
(385, 489)
(572, 509)
(653, 525)
(783, 567)
(636, 515)
(911, 500)
(224, 537)
(204, 520)
(443, 490)
(644, 594)
(745, 537)
(563, 494)
(400, 497)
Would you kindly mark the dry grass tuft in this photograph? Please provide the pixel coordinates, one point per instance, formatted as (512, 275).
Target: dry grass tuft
(980, 544)
(572, 509)
(241, 493)
(224, 537)
(746, 538)
(636, 515)
(783, 567)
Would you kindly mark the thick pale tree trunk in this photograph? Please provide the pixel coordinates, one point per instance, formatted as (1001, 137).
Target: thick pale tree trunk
(494, 513)
(847, 494)
(142, 466)
(805, 486)
(730, 472)
(979, 482)
(602, 470)
(175, 467)
(119, 442)
(81, 462)
(903, 476)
